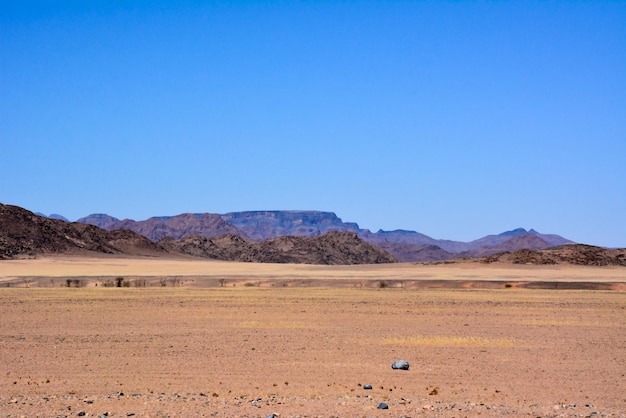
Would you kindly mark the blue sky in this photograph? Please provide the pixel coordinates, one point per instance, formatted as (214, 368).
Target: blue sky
(454, 119)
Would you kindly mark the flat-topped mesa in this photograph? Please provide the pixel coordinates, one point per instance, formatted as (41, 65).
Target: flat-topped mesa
(261, 225)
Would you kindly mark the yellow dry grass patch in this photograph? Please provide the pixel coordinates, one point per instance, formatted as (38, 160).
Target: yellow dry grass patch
(447, 341)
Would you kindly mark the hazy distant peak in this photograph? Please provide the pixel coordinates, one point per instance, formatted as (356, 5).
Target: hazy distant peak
(101, 220)
(514, 232)
(52, 216)
(396, 231)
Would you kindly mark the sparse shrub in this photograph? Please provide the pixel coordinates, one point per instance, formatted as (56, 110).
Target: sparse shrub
(74, 283)
(140, 283)
(383, 284)
(249, 284)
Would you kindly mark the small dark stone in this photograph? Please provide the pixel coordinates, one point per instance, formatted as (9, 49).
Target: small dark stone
(81, 414)
(367, 387)
(382, 405)
(400, 365)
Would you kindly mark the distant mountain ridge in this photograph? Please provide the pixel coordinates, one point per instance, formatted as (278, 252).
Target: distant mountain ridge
(179, 226)
(405, 245)
(101, 220)
(26, 234)
(261, 225)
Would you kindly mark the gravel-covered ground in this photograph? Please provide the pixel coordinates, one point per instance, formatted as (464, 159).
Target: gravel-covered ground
(253, 352)
(204, 405)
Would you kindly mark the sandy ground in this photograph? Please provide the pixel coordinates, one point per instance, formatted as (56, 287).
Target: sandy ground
(53, 272)
(251, 349)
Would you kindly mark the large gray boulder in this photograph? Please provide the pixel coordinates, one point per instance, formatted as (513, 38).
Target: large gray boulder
(400, 365)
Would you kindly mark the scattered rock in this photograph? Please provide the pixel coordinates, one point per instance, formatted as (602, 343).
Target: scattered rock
(382, 405)
(400, 365)
(367, 387)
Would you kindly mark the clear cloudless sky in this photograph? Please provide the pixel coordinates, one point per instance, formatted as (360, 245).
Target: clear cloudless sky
(455, 119)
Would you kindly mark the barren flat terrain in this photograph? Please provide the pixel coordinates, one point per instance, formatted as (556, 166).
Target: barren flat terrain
(53, 272)
(197, 338)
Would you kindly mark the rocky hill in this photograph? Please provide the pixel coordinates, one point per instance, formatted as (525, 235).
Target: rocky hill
(205, 224)
(330, 248)
(577, 254)
(416, 253)
(22, 233)
(226, 247)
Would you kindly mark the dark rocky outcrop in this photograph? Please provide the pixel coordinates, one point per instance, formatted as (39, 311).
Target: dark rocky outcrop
(22, 233)
(576, 254)
(330, 248)
(226, 247)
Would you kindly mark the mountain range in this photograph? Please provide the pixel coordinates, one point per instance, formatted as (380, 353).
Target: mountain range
(263, 225)
(26, 234)
(311, 237)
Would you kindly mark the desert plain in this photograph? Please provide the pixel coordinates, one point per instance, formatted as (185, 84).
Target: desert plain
(205, 338)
